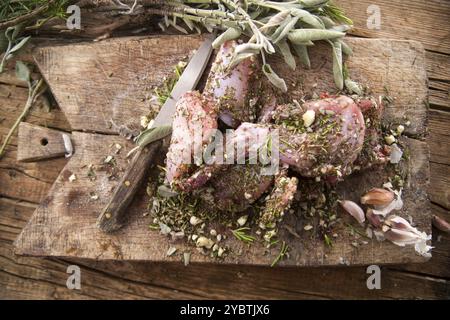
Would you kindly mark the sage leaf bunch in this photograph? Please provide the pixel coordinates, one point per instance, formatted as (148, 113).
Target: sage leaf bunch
(287, 28)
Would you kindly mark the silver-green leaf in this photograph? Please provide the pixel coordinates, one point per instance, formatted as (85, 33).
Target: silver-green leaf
(19, 45)
(152, 135)
(308, 18)
(22, 71)
(353, 86)
(302, 54)
(165, 192)
(286, 53)
(337, 64)
(274, 78)
(238, 58)
(302, 35)
(248, 48)
(289, 26)
(229, 34)
(346, 49)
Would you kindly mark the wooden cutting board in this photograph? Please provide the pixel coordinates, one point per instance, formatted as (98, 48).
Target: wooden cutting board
(103, 87)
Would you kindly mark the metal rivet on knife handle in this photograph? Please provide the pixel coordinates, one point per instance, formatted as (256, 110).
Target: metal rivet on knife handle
(113, 215)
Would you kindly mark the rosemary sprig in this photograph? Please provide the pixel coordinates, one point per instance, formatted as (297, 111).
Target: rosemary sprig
(242, 235)
(327, 240)
(281, 255)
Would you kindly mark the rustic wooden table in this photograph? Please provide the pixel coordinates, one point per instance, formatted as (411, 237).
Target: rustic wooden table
(23, 185)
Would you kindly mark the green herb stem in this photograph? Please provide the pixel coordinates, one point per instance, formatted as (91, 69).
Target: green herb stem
(33, 94)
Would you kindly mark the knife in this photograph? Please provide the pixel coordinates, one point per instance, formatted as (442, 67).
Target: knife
(113, 215)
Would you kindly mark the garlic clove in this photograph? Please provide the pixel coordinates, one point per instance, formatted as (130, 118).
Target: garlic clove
(308, 118)
(390, 139)
(400, 232)
(204, 242)
(378, 196)
(441, 224)
(374, 219)
(354, 210)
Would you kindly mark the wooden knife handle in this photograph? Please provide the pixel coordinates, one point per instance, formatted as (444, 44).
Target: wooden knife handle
(113, 215)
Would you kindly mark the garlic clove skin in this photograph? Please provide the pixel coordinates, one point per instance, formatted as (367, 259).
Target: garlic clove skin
(374, 219)
(441, 224)
(354, 210)
(400, 232)
(378, 197)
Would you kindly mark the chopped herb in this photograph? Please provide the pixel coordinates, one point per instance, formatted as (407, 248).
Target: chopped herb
(283, 253)
(241, 235)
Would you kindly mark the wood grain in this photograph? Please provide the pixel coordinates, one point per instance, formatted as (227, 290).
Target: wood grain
(103, 86)
(69, 208)
(39, 143)
(45, 278)
(426, 22)
(40, 278)
(115, 213)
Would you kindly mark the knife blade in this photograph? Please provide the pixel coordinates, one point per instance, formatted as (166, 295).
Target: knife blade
(113, 215)
(188, 81)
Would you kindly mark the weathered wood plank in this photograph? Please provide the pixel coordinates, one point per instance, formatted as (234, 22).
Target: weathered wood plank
(13, 99)
(69, 211)
(115, 90)
(438, 65)
(38, 143)
(438, 264)
(439, 137)
(27, 181)
(439, 184)
(102, 86)
(426, 22)
(398, 65)
(37, 278)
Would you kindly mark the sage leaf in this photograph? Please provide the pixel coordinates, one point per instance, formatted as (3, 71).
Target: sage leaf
(152, 135)
(281, 27)
(22, 71)
(286, 29)
(342, 28)
(308, 18)
(286, 53)
(302, 54)
(189, 23)
(337, 64)
(276, 20)
(11, 33)
(248, 48)
(238, 58)
(353, 86)
(346, 49)
(19, 45)
(229, 34)
(302, 35)
(327, 22)
(308, 43)
(312, 3)
(274, 78)
(165, 192)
